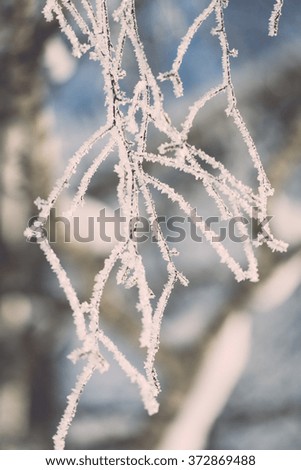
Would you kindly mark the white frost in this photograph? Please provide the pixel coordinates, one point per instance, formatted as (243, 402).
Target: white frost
(132, 114)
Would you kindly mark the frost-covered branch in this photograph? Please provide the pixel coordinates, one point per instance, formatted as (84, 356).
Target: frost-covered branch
(125, 133)
(275, 18)
(173, 75)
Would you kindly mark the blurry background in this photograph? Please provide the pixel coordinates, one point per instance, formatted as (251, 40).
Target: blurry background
(230, 355)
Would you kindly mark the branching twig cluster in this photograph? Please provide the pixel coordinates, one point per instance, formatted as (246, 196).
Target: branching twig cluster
(126, 133)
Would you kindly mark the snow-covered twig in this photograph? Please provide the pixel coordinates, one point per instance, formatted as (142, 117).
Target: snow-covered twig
(126, 134)
(275, 18)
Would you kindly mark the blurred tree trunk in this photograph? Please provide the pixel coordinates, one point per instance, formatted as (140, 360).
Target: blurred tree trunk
(23, 36)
